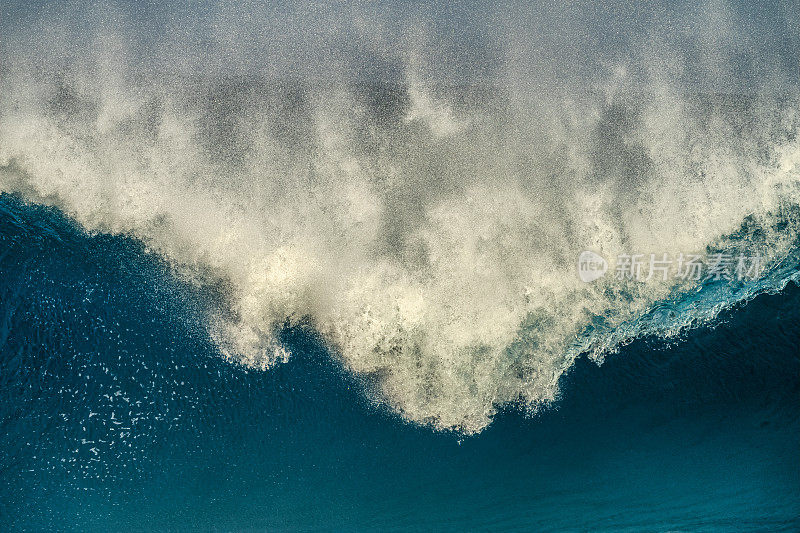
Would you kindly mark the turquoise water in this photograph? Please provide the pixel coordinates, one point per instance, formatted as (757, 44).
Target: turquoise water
(119, 414)
(291, 266)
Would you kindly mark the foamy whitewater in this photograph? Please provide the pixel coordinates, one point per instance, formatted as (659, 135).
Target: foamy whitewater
(421, 203)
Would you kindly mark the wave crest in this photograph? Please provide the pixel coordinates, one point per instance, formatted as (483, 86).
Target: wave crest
(427, 229)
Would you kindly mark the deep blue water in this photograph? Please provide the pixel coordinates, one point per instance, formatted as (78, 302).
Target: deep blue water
(117, 413)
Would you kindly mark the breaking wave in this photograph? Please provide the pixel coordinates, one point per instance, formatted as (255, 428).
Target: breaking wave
(419, 199)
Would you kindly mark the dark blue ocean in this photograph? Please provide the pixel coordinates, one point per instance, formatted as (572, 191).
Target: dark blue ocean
(281, 265)
(119, 414)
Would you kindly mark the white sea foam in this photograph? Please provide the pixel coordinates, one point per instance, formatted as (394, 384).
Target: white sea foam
(422, 208)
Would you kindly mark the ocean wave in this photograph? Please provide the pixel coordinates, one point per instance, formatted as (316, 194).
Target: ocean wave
(426, 225)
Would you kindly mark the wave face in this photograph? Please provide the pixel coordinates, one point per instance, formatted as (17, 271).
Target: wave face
(417, 197)
(117, 413)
